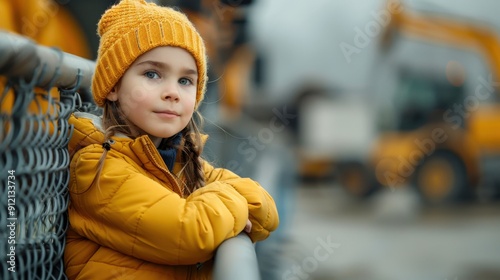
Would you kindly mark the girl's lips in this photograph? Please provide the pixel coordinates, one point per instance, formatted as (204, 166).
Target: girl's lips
(167, 114)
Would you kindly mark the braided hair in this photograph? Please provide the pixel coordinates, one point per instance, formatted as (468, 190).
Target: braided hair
(192, 164)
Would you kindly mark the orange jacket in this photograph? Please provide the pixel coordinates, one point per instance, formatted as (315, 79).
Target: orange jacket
(136, 223)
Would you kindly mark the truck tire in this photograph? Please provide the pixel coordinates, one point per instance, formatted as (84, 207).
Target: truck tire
(357, 180)
(442, 178)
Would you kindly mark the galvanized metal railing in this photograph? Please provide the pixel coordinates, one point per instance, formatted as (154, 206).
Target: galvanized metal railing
(236, 259)
(22, 58)
(34, 162)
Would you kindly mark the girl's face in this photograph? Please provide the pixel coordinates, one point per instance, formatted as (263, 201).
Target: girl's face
(158, 92)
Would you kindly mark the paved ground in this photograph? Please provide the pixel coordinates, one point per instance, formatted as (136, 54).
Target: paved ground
(390, 237)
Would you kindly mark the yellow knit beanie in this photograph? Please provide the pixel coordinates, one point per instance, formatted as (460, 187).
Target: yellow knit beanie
(133, 27)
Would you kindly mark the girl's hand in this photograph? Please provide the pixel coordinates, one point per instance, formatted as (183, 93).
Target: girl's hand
(248, 227)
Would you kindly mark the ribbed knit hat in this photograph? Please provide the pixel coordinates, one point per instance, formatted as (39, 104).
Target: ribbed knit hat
(133, 27)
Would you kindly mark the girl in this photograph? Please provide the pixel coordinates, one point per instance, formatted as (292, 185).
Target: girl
(143, 204)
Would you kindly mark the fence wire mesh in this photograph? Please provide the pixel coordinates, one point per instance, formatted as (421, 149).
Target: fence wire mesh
(34, 172)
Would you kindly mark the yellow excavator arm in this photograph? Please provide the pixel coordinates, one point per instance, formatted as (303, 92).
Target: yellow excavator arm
(445, 31)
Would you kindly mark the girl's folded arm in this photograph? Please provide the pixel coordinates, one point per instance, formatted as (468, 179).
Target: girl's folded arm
(143, 219)
(262, 209)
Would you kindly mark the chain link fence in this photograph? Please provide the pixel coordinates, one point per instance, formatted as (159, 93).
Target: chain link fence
(39, 88)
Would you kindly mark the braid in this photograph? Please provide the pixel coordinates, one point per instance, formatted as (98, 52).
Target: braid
(191, 158)
(114, 121)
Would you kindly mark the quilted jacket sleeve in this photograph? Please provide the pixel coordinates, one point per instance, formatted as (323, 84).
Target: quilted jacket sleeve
(135, 215)
(262, 208)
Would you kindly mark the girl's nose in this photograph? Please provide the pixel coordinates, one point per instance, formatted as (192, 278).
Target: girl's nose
(171, 91)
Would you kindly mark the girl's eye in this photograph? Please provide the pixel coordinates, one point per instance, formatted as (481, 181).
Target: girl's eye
(185, 81)
(152, 75)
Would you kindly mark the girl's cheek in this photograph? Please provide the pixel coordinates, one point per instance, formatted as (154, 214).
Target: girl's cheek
(133, 101)
(138, 93)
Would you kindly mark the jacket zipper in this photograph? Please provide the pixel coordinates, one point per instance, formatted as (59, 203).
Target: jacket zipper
(167, 173)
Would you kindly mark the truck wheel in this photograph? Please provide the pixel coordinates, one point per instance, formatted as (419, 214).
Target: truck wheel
(357, 179)
(441, 178)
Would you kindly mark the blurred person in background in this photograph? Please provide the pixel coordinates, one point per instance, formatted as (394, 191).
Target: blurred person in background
(64, 25)
(47, 22)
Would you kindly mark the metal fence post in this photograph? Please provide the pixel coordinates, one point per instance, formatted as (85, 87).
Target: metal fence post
(236, 259)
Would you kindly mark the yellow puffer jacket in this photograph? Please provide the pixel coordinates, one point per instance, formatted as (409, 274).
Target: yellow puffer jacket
(136, 225)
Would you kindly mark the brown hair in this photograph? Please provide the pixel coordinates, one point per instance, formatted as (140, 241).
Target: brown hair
(191, 174)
